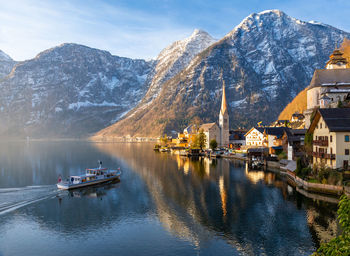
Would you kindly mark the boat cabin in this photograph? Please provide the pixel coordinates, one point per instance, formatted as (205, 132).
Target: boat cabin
(96, 171)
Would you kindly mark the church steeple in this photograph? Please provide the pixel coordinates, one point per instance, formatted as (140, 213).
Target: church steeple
(336, 60)
(223, 100)
(224, 120)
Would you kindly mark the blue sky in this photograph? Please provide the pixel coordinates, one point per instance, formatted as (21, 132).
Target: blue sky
(139, 29)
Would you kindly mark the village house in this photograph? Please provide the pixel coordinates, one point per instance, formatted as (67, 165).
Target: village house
(237, 138)
(255, 137)
(270, 137)
(185, 139)
(331, 137)
(293, 143)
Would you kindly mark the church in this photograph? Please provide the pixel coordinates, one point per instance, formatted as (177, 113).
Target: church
(219, 132)
(328, 86)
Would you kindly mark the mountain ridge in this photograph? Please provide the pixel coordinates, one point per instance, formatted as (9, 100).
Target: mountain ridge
(265, 65)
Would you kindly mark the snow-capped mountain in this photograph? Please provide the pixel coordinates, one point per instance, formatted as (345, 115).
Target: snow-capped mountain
(172, 60)
(70, 90)
(265, 61)
(6, 64)
(175, 57)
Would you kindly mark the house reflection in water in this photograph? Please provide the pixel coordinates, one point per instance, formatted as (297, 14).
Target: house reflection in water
(221, 198)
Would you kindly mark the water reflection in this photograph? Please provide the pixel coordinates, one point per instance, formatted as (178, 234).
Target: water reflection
(202, 206)
(248, 209)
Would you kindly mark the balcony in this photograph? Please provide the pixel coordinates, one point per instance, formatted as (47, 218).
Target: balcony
(323, 155)
(323, 143)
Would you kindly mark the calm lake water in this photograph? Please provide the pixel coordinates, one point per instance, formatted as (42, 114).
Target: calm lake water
(163, 205)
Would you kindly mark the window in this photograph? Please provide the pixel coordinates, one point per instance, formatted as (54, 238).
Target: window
(346, 164)
(320, 125)
(330, 138)
(346, 152)
(346, 138)
(316, 137)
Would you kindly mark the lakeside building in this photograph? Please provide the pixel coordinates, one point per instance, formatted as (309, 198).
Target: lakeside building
(269, 137)
(331, 137)
(328, 86)
(293, 143)
(237, 138)
(185, 139)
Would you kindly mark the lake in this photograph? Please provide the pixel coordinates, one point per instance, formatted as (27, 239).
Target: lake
(164, 205)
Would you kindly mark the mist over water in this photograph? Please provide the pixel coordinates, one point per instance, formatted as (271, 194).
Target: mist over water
(163, 205)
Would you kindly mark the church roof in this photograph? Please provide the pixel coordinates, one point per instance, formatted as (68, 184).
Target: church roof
(330, 77)
(223, 101)
(207, 126)
(336, 57)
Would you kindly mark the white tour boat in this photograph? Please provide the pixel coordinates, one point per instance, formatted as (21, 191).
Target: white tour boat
(91, 177)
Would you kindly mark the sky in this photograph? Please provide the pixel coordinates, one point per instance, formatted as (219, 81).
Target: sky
(142, 28)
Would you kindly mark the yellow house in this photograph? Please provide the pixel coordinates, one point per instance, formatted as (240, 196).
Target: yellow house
(331, 137)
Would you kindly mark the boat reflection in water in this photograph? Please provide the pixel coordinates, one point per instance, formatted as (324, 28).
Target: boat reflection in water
(94, 191)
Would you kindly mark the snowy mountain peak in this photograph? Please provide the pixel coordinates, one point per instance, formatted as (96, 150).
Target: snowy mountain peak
(4, 56)
(199, 39)
(199, 32)
(69, 50)
(272, 12)
(175, 58)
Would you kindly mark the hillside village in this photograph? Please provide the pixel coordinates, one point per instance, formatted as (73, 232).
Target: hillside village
(313, 145)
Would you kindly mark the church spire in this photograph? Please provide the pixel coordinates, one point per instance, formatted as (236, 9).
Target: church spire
(223, 101)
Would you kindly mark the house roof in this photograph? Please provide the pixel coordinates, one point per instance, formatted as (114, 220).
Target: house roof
(207, 126)
(276, 131)
(330, 77)
(237, 135)
(258, 149)
(295, 134)
(337, 119)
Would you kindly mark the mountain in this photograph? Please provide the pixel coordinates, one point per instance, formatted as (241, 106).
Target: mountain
(6, 64)
(73, 90)
(265, 61)
(174, 58)
(70, 91)
(299, 103)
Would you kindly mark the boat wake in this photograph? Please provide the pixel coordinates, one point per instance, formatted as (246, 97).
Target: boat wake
(14, 198)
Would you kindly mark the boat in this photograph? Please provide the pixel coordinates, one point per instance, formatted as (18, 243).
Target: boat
(91, 177)
(163, 149)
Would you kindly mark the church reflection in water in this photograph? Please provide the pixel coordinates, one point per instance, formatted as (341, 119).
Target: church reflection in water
(252, 210)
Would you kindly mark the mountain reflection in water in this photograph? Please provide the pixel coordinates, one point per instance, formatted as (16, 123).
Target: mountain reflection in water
(255, 211)
(164, 205)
